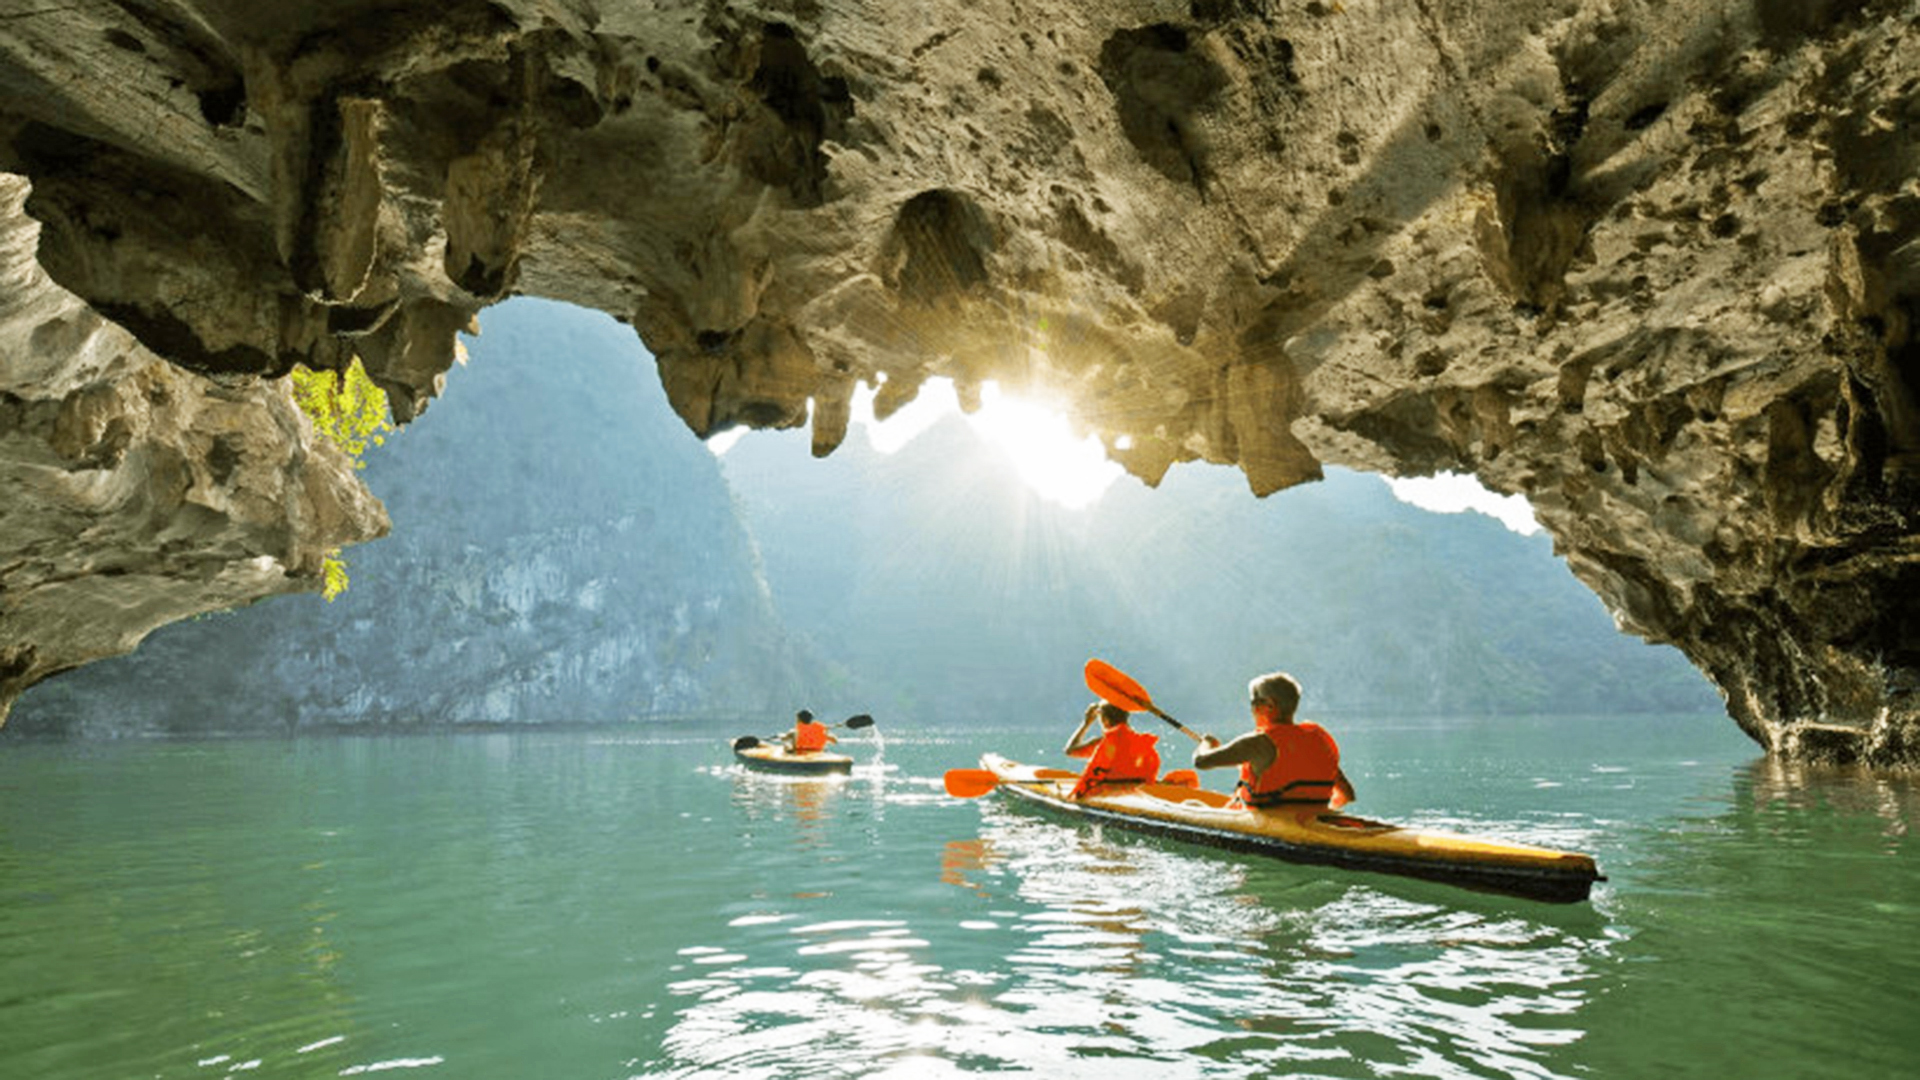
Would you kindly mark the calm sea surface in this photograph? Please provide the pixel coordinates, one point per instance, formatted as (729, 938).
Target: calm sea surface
(594, 905)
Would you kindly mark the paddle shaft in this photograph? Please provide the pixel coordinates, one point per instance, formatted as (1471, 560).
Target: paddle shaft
(973, 783)
(1189, 732)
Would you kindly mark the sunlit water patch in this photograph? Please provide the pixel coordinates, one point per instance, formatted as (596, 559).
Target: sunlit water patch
(636, 904)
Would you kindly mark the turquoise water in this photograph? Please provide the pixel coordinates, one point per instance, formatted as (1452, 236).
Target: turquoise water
(618, 904)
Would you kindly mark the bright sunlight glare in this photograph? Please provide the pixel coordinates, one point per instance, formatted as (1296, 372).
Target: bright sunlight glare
(1072, 472)
(936, 399)
(1036, 439)
(1450, 493)
(1076, 472)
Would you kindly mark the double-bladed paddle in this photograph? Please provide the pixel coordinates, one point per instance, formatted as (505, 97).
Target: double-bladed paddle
(1117, 687)
(1112, 685)
(855, 722)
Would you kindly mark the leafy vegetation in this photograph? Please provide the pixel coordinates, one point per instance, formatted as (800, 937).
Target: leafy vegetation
(345, 406)
(334, 568)
(350, 412)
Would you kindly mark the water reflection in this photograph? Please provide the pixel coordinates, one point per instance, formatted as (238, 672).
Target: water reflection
(1276, 968)
(1775, 786)
(1754, 925)
(1057, 951)
(961, 860)
(794, 806)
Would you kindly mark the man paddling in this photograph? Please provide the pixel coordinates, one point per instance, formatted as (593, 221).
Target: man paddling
(1281, 761)
(808, 735)
(1117, 755)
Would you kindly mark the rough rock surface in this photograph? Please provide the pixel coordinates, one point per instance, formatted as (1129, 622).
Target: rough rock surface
(138, 493)
(1652, 264)
(541, 585)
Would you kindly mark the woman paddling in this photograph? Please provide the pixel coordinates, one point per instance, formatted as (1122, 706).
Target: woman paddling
(1117, 755)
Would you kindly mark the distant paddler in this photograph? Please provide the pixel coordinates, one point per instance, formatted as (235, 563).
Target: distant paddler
(802, 750)
(808, 736)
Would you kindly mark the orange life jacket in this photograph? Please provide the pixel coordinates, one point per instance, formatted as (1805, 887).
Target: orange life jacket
(1306, 765)
(1123, 755)
(809, 736)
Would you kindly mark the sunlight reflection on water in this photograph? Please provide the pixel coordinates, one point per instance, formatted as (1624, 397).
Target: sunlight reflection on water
(1069, 955)
(584, 907)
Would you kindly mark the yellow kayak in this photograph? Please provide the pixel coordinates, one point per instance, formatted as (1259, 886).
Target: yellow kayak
(1307, 834)
(772, 757)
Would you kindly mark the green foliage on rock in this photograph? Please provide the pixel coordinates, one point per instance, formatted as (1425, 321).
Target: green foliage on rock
(345, 406)
(350, 412)
(334, 569)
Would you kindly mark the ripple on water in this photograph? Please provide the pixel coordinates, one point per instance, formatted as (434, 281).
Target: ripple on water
(1075, 954)
(568, 907)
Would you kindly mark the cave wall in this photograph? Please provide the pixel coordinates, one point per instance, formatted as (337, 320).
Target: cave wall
(138, 493)
(1651, 264)
(541, 586)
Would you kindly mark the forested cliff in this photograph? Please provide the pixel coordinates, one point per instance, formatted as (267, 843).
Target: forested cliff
(960, 593)
(584, 564)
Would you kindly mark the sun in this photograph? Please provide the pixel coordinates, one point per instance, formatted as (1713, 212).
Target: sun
(1073, 472)
(1036, 438)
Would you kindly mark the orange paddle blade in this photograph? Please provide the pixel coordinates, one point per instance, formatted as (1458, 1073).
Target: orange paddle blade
(1117, 687)
(970, 783)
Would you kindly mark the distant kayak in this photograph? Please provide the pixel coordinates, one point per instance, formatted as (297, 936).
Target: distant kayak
(1307, 834)
(772, 757)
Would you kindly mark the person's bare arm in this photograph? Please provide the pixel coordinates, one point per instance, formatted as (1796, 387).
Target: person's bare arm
(1253, 749)
(1080, 739)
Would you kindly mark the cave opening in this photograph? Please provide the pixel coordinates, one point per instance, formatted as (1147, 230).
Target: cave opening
(564, 548)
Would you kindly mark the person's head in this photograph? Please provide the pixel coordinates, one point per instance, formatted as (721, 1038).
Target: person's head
(1111, 715)
(1274, 697)
(803, 716)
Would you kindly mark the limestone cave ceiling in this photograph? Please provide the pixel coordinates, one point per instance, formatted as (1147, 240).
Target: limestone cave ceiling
(1651, 264)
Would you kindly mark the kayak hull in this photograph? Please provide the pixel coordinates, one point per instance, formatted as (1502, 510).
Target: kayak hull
(774, 758)
(1307, 834)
